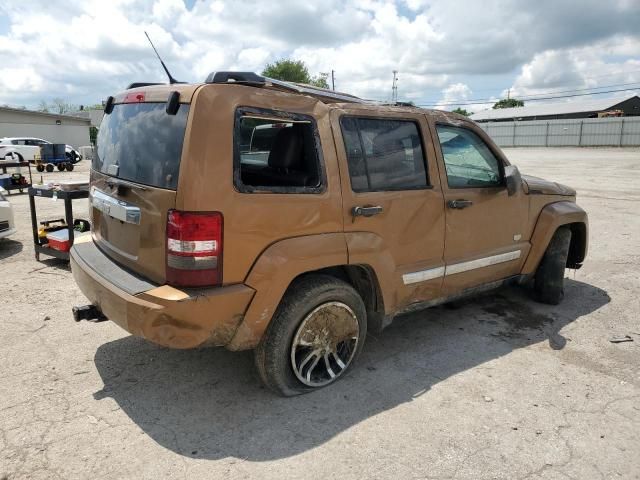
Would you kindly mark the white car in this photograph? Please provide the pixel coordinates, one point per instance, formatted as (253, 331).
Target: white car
(7, 225)
(24, 149)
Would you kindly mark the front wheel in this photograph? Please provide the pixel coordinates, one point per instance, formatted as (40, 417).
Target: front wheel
(549, 278)
(314, 337)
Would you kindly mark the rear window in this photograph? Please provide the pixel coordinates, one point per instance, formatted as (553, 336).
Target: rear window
(140, 142)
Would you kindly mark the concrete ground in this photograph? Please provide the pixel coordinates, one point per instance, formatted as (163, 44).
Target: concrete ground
(497, 387)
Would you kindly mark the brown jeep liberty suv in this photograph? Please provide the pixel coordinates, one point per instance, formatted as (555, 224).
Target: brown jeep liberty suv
(252, 213)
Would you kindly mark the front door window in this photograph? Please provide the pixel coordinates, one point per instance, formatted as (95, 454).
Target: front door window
(468, 160)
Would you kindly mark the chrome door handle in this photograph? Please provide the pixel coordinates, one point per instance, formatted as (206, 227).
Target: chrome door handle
(367, 211)
(459, 204)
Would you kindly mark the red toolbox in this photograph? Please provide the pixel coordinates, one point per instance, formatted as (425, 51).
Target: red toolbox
(59, 240)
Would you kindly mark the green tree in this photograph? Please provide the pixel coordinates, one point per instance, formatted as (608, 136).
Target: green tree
(320, 80)
(462, 111)
(57, 105)
(508, 103)
(294, 71)
(288, 71)
(93, 135)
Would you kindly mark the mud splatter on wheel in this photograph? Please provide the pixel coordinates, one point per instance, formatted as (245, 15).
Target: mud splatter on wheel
(315, 336)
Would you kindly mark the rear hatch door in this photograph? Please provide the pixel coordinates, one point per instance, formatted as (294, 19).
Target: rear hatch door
(134, 179)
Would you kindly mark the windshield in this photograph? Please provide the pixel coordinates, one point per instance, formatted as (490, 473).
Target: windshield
(140, 142)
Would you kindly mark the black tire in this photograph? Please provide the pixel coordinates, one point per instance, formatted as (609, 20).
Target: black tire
(61, 167)
(16, 157)
(49, 167)
(69, 167)
(273, 356)
(40, 167)
(549, 278)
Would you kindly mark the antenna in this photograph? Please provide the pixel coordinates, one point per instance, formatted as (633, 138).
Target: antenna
(171, 79)
(394, 87)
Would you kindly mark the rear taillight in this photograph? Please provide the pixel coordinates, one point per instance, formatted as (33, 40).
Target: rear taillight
(194, 248)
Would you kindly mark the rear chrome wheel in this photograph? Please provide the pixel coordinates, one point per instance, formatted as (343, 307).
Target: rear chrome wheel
(314, 338)
(324, 344)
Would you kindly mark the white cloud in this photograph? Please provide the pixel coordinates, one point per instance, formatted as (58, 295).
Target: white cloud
(456, 92)
(86, 50)
(553, 72)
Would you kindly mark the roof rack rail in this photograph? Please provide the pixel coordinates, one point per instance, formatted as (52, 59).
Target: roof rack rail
(316, 91)
(251, 78)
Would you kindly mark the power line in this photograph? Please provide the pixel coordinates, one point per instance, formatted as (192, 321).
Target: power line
(578, 90)
(533, 95)
(489, 100)
(439, 90)
(584, 78)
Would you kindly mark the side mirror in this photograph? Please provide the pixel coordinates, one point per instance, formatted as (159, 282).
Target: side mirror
(513, 178)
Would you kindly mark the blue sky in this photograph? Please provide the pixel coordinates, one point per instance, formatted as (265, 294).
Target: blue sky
(5, 22)
(445, 52)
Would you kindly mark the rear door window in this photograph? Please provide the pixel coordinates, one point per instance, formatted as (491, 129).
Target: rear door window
(140, 142)
(383, 154)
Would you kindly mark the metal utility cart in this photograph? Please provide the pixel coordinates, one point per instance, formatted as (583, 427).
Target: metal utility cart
(53, 155)
(67, 196)
(20, 186)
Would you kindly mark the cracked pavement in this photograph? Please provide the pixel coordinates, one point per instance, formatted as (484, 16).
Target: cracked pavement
(494, 387)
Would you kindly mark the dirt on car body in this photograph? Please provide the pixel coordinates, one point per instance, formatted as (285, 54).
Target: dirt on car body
(256, 214)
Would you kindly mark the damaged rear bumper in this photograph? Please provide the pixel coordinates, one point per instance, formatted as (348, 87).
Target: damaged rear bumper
(162, 314)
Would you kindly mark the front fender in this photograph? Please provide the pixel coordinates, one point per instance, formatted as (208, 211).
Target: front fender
(551, 217)
(274, 271)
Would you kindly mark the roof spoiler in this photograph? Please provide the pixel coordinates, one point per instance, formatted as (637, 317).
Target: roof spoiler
(248, 78)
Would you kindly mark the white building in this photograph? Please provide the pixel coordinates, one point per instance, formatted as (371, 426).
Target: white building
(92, 114)
(629, 106)
(16, 122)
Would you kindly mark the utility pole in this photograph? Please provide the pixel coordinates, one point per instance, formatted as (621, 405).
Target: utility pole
(333, 80)
(394, 87)
(508, 94)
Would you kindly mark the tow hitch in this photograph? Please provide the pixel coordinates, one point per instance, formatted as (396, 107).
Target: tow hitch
(90, 313)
